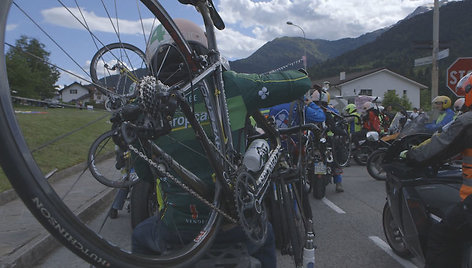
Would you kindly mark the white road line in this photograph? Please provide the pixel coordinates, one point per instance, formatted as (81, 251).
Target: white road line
(385, 247)
(333, 206)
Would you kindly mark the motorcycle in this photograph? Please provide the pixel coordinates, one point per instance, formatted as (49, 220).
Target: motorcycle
(416, 199)
(374, 161)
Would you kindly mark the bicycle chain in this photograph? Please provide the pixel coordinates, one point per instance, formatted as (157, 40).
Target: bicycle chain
(182, 185)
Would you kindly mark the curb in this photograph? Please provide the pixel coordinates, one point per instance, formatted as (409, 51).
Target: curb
(7, 196)
(45, 243)
(10, 195)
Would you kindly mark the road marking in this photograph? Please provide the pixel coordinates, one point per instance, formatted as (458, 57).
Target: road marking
(333, 206)
(385, 247)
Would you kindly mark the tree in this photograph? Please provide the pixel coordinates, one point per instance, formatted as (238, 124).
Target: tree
(391, 98)
(28, 70)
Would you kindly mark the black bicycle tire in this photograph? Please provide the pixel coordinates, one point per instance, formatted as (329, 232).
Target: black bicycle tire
(347, 154)
(373, 157)
(94, 169)
(292, 226)
(140, 209)
(275, 214)
(49, 209)
(319, 186)
(100, 52)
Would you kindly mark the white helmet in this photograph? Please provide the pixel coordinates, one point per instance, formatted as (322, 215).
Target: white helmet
(190, 31)
(367, 106)
(458, 104)
(323, 97)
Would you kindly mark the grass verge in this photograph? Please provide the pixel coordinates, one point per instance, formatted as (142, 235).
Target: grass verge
(46, 133)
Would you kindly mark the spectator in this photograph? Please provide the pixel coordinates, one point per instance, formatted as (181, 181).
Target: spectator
(414, 114)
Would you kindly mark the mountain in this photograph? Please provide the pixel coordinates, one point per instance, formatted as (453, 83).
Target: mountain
(285, 50)
(395, 48)
(282, 51)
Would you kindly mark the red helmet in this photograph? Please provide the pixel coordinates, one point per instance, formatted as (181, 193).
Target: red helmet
(465, 85)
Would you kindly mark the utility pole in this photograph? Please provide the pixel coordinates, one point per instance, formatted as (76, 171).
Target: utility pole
(434, 71)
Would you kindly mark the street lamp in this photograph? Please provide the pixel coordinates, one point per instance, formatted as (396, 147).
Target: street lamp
(304, 46)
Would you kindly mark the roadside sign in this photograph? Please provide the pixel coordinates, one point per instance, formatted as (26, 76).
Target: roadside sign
(428, 60)
(459, 68)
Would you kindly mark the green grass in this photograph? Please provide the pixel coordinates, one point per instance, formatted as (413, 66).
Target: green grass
(39, 129)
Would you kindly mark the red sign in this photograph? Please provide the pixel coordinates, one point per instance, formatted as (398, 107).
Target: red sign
(456, 71)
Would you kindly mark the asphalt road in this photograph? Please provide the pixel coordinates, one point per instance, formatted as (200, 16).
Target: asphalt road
(348, 228)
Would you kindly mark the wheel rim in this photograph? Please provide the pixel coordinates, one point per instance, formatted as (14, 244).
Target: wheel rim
(392, 232)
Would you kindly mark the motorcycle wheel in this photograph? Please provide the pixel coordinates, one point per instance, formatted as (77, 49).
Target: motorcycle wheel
(393, 234)
(143, 202)
(374, 165)
(319, 186)
(362, 154)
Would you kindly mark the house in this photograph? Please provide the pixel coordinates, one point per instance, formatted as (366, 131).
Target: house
(74, 92)
(84, 93)
(375, 82)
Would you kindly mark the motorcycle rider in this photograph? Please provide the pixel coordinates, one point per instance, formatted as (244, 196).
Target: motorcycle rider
(370, 122)
(322, 98)
(458, 107)
(354, 122)
(441, 104)
(370, 118)
(447, 238)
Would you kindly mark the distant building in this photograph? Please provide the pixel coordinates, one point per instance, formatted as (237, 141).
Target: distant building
(375, 82)
(84, 93)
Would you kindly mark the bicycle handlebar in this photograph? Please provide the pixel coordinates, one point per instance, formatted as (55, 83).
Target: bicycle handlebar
(290, 130)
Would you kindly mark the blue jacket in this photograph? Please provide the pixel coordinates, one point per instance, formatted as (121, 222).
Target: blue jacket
(444, 118)
(313, 114)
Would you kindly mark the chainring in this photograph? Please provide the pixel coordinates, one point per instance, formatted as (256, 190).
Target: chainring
(252, 214)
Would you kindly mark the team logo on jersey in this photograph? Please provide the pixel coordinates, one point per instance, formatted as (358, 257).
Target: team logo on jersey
(263, 93)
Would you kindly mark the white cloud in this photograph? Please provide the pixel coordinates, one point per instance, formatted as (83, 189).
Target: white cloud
(11, 27)
(235, 45)
(62, 17)
(324, 19)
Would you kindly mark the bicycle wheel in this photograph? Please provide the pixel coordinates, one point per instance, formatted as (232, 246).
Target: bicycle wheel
(143, 202)
(25, 160)
(341, 149)
(117, 67)
(109, 164)
(295, 223)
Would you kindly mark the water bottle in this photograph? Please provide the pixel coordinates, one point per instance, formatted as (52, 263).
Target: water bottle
(309, 251)
(256, 155)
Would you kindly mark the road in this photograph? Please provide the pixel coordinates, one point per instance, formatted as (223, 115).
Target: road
(348, 228)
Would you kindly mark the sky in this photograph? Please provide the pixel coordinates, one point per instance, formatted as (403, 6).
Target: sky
(249, 23)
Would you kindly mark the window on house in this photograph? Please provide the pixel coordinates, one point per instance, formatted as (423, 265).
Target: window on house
(366, 92)
(404, 92)
(73, 91)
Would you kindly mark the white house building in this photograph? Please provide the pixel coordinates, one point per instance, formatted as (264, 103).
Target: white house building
(74, 92)
(77, 92)
(374, 82)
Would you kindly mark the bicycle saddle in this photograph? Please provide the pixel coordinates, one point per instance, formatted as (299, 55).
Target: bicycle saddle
(215, 17)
